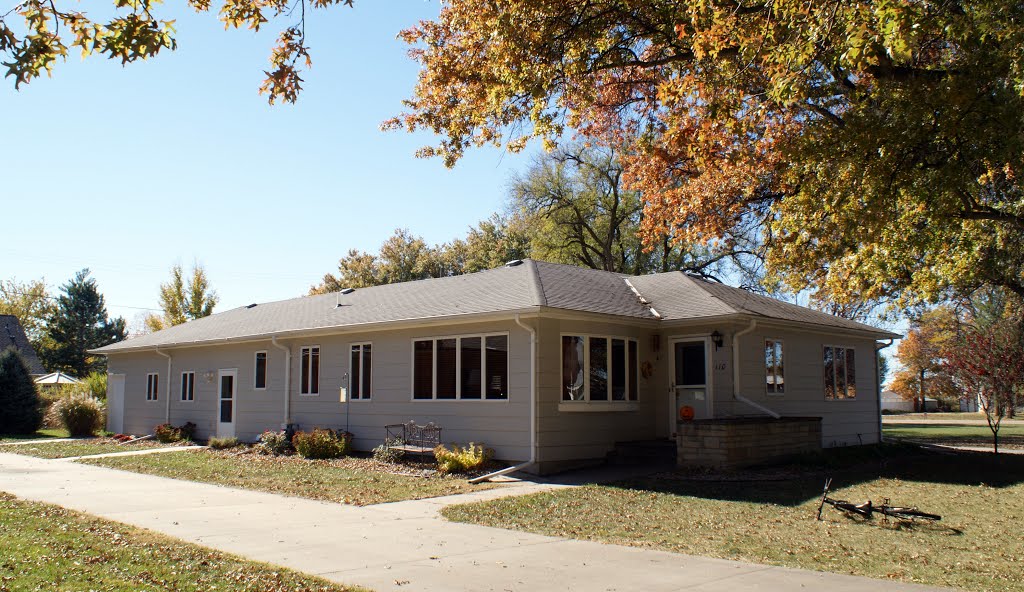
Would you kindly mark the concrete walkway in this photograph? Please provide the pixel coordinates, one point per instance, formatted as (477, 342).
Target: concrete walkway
(400, 546)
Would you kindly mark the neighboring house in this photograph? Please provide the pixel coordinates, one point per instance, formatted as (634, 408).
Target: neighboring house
(11, 333)
(892, 401)
(543, 362)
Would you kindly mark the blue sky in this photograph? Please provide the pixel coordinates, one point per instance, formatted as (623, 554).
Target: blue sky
(129, 170)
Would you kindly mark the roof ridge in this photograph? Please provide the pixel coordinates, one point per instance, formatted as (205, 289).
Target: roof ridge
(536, 283)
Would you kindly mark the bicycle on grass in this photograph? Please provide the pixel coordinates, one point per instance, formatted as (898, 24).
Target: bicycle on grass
(868, 509)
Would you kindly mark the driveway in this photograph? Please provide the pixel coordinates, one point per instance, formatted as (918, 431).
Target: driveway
(399, 546)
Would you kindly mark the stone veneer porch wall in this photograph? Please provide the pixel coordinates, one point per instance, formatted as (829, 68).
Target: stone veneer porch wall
(725, 443)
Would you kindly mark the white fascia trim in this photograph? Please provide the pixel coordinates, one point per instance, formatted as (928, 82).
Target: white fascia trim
(508, 316)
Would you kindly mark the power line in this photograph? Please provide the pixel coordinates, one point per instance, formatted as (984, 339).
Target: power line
(55, 298)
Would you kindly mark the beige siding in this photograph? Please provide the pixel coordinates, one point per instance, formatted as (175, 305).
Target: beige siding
(502, 425)
(844, 422)
(569, 435)
(563, 434)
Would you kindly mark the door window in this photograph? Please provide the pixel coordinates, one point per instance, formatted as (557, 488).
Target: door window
(690, 364)
(227, 398)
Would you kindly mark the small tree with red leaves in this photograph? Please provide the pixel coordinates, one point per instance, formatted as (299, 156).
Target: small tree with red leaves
(990, 362)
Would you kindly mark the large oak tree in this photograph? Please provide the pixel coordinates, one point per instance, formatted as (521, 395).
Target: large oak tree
(879, 142)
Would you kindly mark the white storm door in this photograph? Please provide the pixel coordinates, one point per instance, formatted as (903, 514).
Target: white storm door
(690, 380)
(227, 387)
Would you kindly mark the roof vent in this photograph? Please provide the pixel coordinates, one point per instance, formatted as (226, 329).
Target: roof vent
(348, 290)
(253, 305)
(514, 263)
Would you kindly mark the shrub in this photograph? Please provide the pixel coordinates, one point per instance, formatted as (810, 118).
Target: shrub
(322, 443)
(222, 443)
(276, 443)
(461, 460)
(20, 411)
(167, 433)
(96, 383)
(80, 413)
(384, 452)
(187, 431)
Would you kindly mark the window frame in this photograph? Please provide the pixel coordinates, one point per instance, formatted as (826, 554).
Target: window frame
(191, 384)
(846, 374)
(782, 350)
(458, 367)
(362, 368)
(256, 371)
(319, 352)
(153, 386)
(630, 399)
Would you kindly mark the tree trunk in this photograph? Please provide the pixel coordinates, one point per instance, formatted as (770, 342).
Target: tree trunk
(924, 404)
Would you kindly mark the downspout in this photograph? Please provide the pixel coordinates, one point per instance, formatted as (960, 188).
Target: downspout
(167, 411)
(878, 387)
(287, 380)
(736, 372)
(533, 410)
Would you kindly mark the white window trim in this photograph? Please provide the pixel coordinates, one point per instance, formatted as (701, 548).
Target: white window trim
(183, 374)
(319, 369)
(824, 393)
(458, 367)
(155, 395)
(608, 404)
(362, 396)
(266, 369)
(776, 393)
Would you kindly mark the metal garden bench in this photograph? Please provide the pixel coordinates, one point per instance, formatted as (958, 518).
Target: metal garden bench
(412, 438)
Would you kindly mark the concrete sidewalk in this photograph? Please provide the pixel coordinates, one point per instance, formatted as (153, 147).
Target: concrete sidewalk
(400, 546)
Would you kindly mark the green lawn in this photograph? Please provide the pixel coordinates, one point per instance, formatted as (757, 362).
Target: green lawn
(1010, 436)
(40, 435)
(769, 518)
(49, 548)
(85, 447)
(348, 480)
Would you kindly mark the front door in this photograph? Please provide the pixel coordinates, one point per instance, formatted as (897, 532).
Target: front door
(690, 391)
(226, 387)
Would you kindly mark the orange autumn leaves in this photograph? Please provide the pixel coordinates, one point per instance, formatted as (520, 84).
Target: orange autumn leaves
(857, 135)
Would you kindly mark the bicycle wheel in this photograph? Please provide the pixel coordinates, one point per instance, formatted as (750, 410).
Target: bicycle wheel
(908, 513)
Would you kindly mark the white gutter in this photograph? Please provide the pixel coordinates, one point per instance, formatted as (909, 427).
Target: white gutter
(287, 380)
(533, 410)
(167, 411)
(878, 387)
(736, 372)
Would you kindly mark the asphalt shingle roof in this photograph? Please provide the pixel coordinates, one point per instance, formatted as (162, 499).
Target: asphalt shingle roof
(529, 286)
(678, 296)
(12, 333)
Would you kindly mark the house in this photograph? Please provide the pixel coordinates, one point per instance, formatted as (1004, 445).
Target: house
(13, 335)
(550, 365)
(892, 401)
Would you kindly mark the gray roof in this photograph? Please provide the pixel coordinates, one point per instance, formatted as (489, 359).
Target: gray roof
(12, 334)
(679, 296)
(531, 286)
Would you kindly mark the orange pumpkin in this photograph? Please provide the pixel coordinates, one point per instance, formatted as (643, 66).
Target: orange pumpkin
(686, 413)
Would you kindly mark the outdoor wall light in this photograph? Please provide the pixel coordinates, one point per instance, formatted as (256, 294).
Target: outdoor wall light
(716, 338)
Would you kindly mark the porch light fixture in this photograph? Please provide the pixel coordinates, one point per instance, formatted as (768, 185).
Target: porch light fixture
(716, 338)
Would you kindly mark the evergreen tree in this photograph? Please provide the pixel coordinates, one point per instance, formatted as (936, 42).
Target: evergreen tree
(80, 323)
(20, 412)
